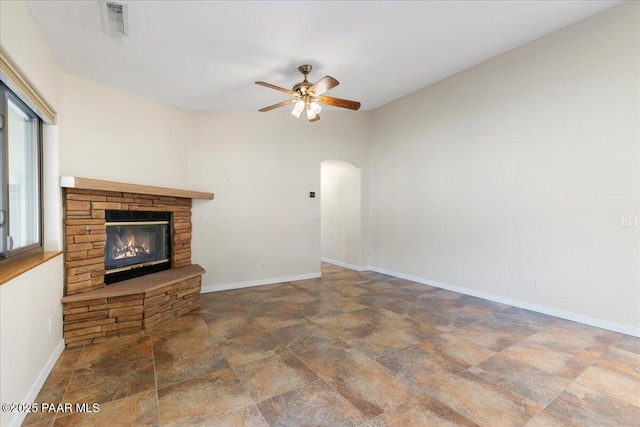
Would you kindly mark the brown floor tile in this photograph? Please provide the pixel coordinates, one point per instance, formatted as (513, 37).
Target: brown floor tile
(421, 368)
(313, 404)
(246, 417)
(372, 388)
(620, 360)
(409, 330)
(223, 301)
(190, 322)
(137, 410)
(566, 341)
(532, 383)
(547, 359)
(592, 407)
(235, 326)
(191, 343)
(115, 351)
(56, 384)
(377, 341)
(280, 338)
(423, 410)
(45, 423)
(250, 348)
(196, 400)
(443, 320)
(483, 402)
(51, 392)
(299, 337)
(617, 384)
(628, 343)
(332, 357)
(402, 305)
(279, 320)
(333, 306)
(172, 369)
(66, 363)
(548, 418)
(520, 315)
(274, 375)
(489, 337)
(456, 350)
(352, 291)
(112, 383)
(307, 285)
(344, 324)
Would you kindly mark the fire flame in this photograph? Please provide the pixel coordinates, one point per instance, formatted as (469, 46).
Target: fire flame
(129, 249)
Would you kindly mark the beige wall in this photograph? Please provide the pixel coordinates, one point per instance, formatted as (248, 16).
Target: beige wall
(27, 348)
(520, 169)
(114, 135)
(261, 167)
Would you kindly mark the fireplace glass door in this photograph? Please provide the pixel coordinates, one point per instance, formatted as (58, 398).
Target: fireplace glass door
(136, 245)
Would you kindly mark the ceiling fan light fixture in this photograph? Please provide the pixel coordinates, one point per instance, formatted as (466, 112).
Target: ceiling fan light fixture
(315, 107)
(299, 106)
(297, 109)
(310, 114)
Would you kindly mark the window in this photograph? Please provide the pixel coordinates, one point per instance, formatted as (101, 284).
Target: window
(21, 177)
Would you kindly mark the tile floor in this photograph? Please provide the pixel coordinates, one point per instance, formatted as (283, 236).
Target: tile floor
(352, 349)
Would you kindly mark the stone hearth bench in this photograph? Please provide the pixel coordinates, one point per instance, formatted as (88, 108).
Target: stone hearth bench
(132, 305)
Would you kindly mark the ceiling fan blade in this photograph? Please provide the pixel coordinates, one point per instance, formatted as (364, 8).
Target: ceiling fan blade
(323, 85)
(337, 102)
(315, 119)
(281, 89)
(278, 105)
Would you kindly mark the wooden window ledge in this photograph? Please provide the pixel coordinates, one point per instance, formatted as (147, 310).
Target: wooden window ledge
(17, 268)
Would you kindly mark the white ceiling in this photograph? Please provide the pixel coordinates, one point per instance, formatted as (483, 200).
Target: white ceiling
(205, 55)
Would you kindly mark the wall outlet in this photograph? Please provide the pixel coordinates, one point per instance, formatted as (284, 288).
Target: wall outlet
(262, 265)
(535, 284)
(290, 262)
(630, 221)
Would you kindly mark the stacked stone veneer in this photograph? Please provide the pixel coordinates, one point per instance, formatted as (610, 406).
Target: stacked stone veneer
(93, 319)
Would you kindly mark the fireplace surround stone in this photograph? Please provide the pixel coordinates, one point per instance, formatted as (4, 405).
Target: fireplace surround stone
(92, 311)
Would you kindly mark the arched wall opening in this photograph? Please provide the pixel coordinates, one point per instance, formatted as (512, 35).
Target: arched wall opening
(340, 207)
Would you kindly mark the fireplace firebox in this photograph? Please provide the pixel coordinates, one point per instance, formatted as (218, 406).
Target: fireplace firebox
(138, 243)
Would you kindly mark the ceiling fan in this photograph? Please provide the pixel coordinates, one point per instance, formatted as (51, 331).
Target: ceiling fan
(308, 96)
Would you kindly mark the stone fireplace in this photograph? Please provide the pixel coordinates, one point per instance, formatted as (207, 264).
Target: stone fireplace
(135, 238)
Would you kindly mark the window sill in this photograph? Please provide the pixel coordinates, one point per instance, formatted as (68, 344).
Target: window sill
(14, 270)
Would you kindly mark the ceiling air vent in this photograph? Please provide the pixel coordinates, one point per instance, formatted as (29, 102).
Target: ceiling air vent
(115, 18)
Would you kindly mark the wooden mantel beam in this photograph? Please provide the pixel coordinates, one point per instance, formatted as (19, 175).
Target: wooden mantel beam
(97, 184)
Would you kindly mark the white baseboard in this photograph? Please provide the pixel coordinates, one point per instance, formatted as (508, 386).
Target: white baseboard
(344, 264)
(568, 315)
(40, 379)
(259, 282)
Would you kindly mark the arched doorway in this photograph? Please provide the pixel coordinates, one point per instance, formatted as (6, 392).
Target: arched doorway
(340, 208)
